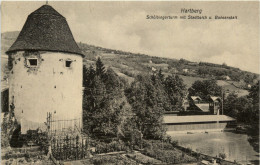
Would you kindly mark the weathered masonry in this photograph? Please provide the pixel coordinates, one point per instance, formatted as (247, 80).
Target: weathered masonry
(45, 71)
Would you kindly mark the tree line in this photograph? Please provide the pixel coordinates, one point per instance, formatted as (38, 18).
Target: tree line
(112, 107)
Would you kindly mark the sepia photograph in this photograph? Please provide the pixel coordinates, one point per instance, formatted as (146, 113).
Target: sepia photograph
(130, 82)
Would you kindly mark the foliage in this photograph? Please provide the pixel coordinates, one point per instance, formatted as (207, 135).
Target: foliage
(100, 68)
(222, 155)
(204, 89)
(245, 109)
(150, 97)
(143, 159)
(112, 159)
(147, 98)
(104, 103)
(10, 130)
(176, 91)
(102, 147)
(165, 151)
(170, 156)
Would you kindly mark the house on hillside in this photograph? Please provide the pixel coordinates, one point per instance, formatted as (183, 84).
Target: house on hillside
(185, 70)
(153, 69)
(226, 78)
(173, 70)
(192, 71)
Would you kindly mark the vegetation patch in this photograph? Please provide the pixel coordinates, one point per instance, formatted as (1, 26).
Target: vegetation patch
(111, 160)
(143, 159)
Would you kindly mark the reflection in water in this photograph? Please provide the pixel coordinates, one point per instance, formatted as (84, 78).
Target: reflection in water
(235, 146)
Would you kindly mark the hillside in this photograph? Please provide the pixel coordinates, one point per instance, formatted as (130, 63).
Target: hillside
(128, 65)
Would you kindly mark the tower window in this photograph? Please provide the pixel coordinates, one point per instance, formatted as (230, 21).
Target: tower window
(68, 63)
(32, 62)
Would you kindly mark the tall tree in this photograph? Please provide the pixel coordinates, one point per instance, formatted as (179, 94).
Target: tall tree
(205, 88)
(176, 91)
(147, 104)
(100, 68)
(104, 102)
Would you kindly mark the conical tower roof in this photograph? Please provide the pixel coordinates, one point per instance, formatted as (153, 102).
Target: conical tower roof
(45, 30)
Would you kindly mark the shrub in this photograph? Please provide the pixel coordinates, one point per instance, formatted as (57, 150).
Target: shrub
(222, 155)
(170, 156)
(102, 147)
(109, 159)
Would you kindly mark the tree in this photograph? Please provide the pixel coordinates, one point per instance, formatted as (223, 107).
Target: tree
(254, 120)
(176, 91)
(104, 102)
(147, 102)
(230, 105)
(205, 88)
(100, 68)
(254, 93)
(160, 75)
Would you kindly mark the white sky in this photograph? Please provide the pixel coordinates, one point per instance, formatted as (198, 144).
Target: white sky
(123, 26)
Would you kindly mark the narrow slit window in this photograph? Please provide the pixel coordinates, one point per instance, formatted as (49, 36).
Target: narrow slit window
(32, 62)
(68, 63)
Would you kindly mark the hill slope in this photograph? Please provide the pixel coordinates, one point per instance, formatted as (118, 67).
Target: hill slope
(128, 65)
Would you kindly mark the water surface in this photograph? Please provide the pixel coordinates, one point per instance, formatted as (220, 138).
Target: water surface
(235, 146)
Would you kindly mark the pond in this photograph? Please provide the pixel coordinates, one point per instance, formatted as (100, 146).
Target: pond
(235, 146)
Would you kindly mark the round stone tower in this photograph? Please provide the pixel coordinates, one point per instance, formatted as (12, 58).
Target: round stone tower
(45, 72)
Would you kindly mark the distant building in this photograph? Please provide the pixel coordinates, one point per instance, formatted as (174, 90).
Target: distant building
(185, 70)
(185, 104)
(215, 104)
(196, 99)
(154, 69)
(173, 70)
(226, 78)
(197, 104)
(192, 71)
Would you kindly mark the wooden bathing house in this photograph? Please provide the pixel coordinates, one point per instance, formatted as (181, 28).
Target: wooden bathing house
(196, 123)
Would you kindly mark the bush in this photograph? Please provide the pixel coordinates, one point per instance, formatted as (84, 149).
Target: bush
(102, 147)
(166, 151)
(157, 144)
(222, 155)
(108, 159)
(170, 156)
